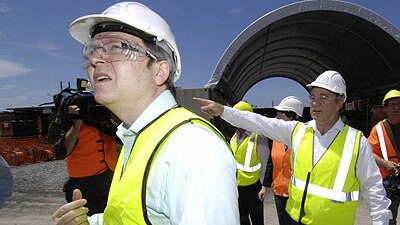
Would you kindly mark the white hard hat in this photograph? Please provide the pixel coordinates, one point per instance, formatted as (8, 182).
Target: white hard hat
(135, 15)
(332, 81)
(291, 103)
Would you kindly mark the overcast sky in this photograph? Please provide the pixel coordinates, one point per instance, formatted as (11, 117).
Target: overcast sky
(37, 53)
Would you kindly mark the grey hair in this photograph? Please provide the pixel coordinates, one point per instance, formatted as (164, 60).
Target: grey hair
(162, 54)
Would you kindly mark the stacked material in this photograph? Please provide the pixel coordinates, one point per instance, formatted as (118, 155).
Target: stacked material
(25, 150)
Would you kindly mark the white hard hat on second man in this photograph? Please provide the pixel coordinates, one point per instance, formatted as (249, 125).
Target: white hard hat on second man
(291, 103)
(332, 81)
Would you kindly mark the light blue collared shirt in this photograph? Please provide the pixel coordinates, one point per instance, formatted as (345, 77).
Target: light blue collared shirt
(161, 104)
(193, 178)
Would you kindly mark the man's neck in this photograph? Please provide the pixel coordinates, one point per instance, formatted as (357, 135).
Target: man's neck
(129, 111)
(325, 126)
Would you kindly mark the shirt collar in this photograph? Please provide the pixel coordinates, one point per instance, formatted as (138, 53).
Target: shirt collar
(245, 133)
(162, 103)
(339, 125)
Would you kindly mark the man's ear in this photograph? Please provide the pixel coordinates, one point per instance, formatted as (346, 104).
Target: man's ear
(162, 73)
(385, 108)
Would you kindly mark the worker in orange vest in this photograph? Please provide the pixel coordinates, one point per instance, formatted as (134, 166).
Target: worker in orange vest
(91, 154)
(278, 168)
(385, 141)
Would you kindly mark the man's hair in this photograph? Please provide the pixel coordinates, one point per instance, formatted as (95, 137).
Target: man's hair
(339, 96)
(290, 114)
(161, 54)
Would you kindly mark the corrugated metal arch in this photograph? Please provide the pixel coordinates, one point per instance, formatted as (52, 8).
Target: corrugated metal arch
(301, 40)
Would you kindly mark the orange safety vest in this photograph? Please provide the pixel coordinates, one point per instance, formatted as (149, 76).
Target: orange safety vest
(93, 153)
(375, 141)
(282, 170)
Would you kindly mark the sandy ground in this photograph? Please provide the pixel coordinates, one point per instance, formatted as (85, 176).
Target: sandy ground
(270, 218)
(37, 194)
(30, 209)
(35, 209)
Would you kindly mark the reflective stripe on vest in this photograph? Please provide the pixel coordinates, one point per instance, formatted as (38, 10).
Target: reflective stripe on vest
(335, 193)
(301, 130)
(247, 168)
(127, 197)
(382, 143)
(327, 193)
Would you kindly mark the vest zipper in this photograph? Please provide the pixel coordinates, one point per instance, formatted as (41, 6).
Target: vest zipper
(303, 200)
(283, 171)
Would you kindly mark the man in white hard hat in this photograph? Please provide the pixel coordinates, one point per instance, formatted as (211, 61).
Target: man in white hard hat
(385, 142)
(175, 167)
(278, 170)
(251, 152)
(331, 162)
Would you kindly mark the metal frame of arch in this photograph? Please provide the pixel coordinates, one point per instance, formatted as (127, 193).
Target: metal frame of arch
(301, 40)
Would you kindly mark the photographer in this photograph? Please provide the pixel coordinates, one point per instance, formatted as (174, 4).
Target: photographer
(384, 139)
(90, 149)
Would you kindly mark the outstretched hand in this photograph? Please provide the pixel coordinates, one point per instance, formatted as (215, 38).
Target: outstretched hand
(209, 107)
(72, 213)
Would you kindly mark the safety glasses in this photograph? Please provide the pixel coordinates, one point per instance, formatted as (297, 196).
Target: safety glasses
(112, 49)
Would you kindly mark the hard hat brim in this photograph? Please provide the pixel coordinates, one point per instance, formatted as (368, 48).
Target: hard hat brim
(280, 108)
(320, 86)
(327, 88)
(80, 29)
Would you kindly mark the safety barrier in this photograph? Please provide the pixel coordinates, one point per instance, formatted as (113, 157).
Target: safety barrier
(25, 150)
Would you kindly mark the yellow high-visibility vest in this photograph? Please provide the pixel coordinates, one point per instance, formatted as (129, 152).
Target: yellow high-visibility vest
(247, 161)
(127, 198)
(326, 193)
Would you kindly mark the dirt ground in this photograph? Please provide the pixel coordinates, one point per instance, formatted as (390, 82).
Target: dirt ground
(37, 194)
(30, 209)
(35, 209)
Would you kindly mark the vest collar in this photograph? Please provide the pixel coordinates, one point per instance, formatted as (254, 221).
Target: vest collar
(338, 126)
(162, 103)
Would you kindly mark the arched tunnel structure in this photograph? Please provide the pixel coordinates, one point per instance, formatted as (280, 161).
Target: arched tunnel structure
(301, 40)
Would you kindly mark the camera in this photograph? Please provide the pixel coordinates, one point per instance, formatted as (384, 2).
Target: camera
(392, 185)
(89, 110)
